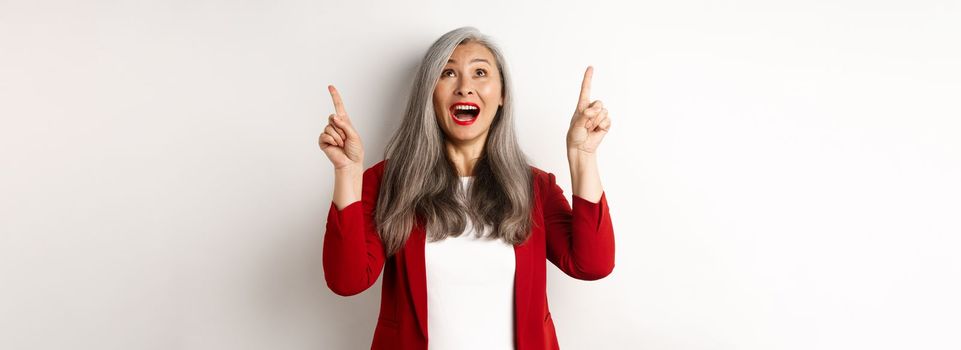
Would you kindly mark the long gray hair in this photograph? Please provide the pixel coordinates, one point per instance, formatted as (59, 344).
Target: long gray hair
(420, 179)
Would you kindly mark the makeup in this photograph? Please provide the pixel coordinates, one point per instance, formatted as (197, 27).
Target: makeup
(464, 113)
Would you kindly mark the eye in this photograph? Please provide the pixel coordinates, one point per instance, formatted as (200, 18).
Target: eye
(444, 73)
(482, 72)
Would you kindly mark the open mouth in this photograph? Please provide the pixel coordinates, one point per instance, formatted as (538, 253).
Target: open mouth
(464, 112)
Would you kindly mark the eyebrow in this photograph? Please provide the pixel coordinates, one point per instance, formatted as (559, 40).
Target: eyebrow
(472, 61)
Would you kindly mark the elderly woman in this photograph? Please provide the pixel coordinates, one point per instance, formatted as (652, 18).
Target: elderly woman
(455, 215)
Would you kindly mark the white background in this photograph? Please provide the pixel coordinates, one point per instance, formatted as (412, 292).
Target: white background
(780, 175)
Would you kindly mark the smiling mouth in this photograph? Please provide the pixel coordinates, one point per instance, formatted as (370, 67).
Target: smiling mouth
(464, 111)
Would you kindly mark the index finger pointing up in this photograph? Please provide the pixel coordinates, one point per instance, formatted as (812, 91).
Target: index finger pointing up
(338, 103)
(585, 98)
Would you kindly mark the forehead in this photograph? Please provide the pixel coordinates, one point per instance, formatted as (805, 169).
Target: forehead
(468, 52)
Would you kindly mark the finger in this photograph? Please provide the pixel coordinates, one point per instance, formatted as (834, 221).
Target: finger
(333, 122)
(605, 124)
(341, 133)
(345, 126)
(593, 109)
(329, 130)
(585, 88)
(596, 104)
(338, 102)
(596, 120)
(327, 139)
(592, 112)
(333, 135)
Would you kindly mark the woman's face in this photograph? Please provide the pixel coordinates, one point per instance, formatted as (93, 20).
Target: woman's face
(468, 93)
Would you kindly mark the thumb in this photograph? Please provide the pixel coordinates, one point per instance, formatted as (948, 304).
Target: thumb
(347, 127)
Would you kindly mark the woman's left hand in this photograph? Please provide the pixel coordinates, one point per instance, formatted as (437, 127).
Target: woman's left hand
(590, 122)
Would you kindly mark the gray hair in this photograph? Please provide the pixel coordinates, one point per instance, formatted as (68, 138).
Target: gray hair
(420, 180)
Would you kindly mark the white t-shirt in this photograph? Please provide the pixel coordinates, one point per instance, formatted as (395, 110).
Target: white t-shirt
(470, 292)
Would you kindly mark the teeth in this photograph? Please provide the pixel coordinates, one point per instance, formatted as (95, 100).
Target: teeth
(464, 107)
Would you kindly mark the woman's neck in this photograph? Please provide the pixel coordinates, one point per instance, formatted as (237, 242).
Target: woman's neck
(464, 157)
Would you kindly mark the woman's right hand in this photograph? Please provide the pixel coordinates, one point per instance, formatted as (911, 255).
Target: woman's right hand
(340, 140)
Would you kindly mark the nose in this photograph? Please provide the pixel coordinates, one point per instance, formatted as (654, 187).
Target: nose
(464, 88)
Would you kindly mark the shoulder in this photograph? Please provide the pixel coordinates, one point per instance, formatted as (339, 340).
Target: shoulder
(537, 171)
(541, 177)
(377, 167)
(375, 172)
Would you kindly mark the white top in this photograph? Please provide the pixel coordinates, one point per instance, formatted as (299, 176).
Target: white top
(470, 292)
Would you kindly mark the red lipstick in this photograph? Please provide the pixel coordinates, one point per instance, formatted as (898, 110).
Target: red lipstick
(453, 112)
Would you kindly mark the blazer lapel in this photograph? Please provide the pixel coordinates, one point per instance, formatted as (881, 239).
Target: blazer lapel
(523, 271)
(417, 273)
(522, 283)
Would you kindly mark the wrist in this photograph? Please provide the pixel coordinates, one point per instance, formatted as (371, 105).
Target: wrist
(350, 169)
(574, 154)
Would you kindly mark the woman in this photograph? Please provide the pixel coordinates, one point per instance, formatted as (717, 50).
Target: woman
(458, 219)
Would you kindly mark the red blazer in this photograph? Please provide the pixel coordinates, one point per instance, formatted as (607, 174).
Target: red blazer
(579, 241)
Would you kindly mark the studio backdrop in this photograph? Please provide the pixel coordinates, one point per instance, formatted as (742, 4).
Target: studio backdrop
(780, 175)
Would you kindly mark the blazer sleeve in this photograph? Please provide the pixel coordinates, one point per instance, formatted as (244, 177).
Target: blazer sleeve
(353, 252)
(580, 241)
